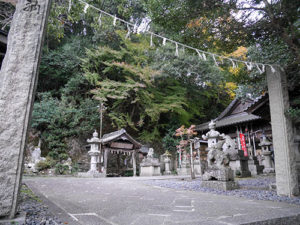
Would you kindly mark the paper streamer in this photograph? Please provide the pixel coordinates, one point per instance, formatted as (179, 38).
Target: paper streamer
(272, 69)
(259, 70)
(115, 21)
(70, 6)
(99, 20)
(86, 8)
(199, 54)
(233, 64)
(128, 32)
(204, 56)
(164, 41)
(176, 52)
(215, 59)
(151, 40)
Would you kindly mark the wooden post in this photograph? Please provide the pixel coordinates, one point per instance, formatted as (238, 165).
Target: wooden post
(18, 81)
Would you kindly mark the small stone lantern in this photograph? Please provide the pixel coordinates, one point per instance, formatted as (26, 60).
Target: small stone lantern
(167, 161)
(94, 152)
(212, 136)
(265, 145)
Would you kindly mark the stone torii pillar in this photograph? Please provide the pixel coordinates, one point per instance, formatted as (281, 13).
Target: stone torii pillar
(282, 131)
(18, 80)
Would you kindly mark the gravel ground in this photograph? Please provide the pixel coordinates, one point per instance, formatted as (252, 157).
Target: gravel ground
(36, 212)
(253, 188)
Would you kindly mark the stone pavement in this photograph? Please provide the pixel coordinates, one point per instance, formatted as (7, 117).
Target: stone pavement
(128, 201)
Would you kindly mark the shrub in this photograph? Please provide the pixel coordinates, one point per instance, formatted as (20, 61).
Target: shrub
(61, 169)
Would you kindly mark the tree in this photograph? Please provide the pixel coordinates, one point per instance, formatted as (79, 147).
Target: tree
(136, 95)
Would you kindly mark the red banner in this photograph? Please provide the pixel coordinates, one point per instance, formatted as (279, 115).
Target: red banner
(243, 144)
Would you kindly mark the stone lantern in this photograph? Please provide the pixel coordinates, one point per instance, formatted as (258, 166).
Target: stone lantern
(94, 152)
(265, 145)
(212, 136)
(167, 161)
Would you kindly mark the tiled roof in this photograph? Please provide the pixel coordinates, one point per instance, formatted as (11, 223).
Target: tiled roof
(230, 120)
(120, 134)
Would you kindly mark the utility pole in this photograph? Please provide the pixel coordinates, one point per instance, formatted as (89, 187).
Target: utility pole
(101, 110)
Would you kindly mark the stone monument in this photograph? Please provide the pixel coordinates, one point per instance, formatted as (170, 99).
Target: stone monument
(150, 166)
(218, 175)
(33, 160)
(18, 80)
(267, 162)
(185, 168)
(167, 162)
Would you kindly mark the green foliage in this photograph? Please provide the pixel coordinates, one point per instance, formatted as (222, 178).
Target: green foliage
(135, 94)
(170, 141)
(61, 169)
(46, 164)
(42, 165)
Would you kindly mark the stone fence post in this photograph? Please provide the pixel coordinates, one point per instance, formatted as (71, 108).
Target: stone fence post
(282, 132)
(18, 80)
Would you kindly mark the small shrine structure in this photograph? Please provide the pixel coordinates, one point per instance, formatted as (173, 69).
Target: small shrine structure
(120, 143)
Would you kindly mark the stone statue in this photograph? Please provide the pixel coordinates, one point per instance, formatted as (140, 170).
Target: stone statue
(218, 175)
(229, 147)
(150, 153)
(150, 166)
(216, 157)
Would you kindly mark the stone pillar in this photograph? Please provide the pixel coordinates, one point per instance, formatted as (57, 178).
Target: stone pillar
(285, 164)
(134, 163)
(105, 161)
(18, 79)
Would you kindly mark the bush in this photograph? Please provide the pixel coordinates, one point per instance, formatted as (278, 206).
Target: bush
(43, 165)
(61, 169)
(75, 168)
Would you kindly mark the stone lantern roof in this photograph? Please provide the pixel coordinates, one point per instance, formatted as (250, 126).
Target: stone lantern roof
(94, 139)
(265, 142)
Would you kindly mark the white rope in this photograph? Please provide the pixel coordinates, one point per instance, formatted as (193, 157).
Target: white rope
(248, 64)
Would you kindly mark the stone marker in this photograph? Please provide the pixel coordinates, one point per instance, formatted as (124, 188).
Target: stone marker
(150, 166)
(18, 79)
(282, 131)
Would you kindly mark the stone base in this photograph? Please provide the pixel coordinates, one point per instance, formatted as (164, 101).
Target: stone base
(223, 174)
(147, 171)
(254, 167)
(19, 219)
(184, 171)
(269, 170)
(167, 173)
(91, 175)
(246, 173)
(220, 185)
